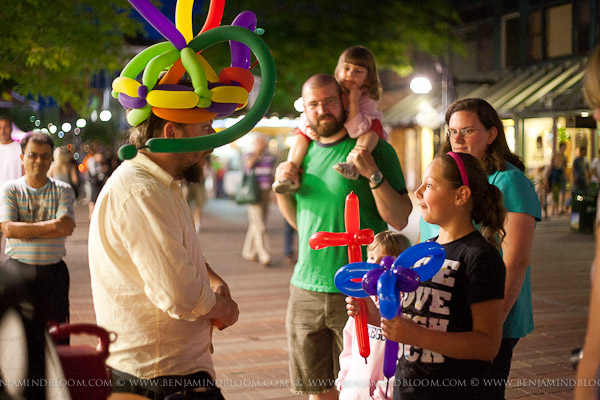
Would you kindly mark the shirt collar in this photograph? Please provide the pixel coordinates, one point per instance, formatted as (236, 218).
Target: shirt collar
(145, 163)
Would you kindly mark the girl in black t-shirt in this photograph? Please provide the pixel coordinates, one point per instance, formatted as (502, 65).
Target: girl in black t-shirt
(451, 327)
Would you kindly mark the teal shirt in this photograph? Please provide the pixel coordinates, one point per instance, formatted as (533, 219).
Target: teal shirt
(519, 197)
(320, 204)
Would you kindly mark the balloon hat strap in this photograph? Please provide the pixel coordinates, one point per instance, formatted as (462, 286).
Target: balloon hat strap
(129, 151)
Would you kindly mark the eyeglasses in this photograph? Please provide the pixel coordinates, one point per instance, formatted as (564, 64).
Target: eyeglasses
(466, 132)
(44, 157)
(327, 103)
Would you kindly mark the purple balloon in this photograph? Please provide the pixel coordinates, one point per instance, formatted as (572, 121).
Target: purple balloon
(408, 279)
(414, 253)
(131, 102)
(174, 87)
(159, 22)
(221, 108)
(387, 261)
(240, 53)
(369, 281)
(212, 85)
(390, 358)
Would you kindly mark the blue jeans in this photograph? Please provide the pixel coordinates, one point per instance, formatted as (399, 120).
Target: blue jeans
(288, 239)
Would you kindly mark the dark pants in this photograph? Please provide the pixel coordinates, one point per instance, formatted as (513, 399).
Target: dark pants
(499, 370)
(39, 293)
(44, 287)
(176, 387)
(288, 240)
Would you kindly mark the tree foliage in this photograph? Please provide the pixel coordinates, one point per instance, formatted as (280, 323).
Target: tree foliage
(307, 37)
(54, 48)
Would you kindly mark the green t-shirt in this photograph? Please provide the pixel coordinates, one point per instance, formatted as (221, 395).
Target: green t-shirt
(519, 197)
(320, 207)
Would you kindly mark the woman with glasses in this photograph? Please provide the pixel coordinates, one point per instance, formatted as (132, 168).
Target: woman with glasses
(474, 127)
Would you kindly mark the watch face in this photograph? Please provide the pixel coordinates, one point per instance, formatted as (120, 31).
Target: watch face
(376, 177)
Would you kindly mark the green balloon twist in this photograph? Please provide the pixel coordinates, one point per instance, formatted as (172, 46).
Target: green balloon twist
(268, 76)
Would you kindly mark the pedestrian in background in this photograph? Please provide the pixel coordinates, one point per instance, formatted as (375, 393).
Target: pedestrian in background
(10, 154)
(256, 245)
(63, 169)
(540, 182)
(558, 180)
(580, 170)
(595, 172)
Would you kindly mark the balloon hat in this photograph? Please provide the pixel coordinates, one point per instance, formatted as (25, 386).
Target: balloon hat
(211, 95)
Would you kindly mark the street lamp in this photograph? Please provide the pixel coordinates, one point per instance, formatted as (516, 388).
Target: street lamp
(420, 85)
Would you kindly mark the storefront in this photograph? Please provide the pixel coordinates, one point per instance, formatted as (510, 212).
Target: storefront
(540, 107)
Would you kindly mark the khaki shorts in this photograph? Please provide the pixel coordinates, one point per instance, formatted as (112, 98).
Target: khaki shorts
(314, 325)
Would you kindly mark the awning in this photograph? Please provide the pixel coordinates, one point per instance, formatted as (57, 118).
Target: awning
(541, 90)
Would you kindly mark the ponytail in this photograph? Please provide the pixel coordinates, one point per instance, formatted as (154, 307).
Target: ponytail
(488, 210)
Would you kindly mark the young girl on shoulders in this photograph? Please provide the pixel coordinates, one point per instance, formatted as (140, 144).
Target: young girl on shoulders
(356, 72)
(451, 327)
(357, 380)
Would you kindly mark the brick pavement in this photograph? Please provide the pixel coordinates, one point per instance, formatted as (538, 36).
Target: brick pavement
(251, 356)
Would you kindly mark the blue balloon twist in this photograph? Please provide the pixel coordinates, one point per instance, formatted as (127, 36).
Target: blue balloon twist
(387, 280)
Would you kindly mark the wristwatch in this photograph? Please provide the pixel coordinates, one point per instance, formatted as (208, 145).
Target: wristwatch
(376, 179)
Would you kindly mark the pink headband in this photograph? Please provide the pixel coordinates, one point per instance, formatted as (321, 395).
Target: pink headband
(461, 167)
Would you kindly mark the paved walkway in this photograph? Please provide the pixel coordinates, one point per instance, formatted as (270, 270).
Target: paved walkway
(251, 356)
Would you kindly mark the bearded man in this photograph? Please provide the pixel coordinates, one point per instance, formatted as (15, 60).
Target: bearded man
(316, 312)
(151, 284)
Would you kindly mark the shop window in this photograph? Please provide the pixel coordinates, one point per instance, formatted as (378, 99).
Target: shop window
(581, 30)
(559, 31)
(509, 132)
(510, 41)
(537, 142)
(550, 31)
(536, 40)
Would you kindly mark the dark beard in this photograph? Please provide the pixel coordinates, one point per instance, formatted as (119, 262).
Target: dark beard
(194, 174)
(327, 129)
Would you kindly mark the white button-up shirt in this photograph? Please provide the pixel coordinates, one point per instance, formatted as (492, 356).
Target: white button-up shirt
(149, 279)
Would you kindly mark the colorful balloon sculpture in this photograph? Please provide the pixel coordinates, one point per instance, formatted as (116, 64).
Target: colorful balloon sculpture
(354, 237)
(211, 95)
(387, 281)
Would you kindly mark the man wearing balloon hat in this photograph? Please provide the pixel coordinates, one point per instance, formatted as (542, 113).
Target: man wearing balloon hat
(151, 285)
(316, 310)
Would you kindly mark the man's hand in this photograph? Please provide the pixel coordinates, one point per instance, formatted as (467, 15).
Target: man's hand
(217, 284)
(287, 170)
(228, 311)
(363, 160)
(64, 226)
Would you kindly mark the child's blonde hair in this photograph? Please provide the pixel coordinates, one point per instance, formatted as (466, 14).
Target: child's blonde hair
(389, 243)
(359, 55)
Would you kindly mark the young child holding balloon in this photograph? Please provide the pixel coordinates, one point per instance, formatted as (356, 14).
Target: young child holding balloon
(451, 327)
(358, 380)
(356, 72)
